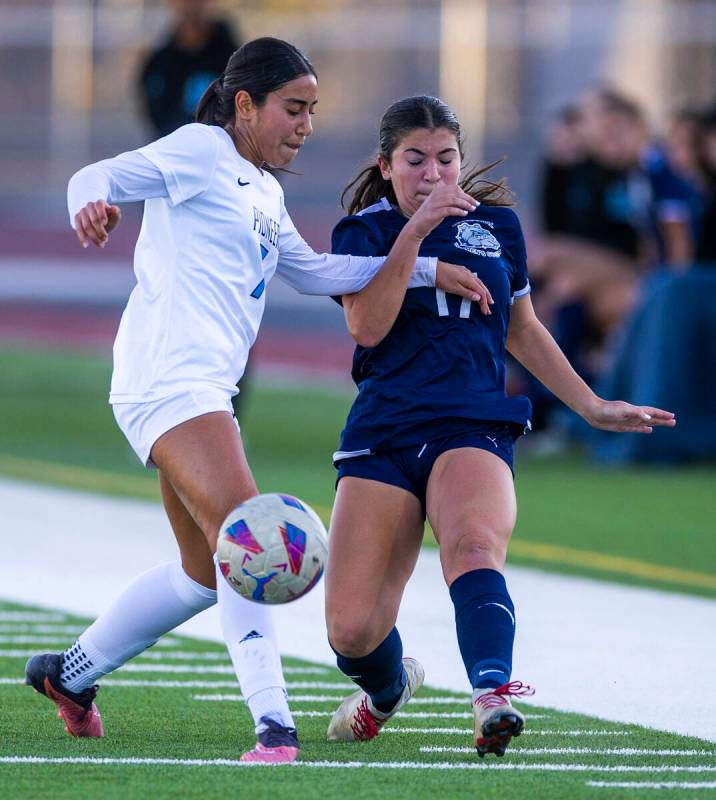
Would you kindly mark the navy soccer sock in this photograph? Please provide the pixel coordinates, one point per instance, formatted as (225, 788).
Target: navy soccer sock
(380, 674)
(485, 622)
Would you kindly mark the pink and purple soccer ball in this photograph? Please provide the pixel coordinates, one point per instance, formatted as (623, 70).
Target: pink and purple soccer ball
(272, 548)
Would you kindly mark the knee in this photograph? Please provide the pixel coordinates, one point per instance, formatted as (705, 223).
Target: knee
(481, 547)
(351, 638)
(211, 520)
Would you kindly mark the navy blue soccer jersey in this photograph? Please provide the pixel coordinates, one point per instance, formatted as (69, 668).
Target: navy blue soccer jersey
(443, 361)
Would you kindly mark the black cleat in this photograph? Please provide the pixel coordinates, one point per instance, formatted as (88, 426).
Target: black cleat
(77, 709)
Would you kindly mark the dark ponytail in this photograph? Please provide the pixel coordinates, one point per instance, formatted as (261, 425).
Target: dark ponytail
(258, 67)
(208, 107)
(421, 112)
(370, 186)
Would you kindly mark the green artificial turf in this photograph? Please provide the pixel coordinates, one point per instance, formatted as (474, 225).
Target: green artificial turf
(173, 723)
(644, 526)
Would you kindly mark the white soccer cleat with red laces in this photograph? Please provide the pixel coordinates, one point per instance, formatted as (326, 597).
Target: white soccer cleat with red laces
(495, 719)
(357, 720)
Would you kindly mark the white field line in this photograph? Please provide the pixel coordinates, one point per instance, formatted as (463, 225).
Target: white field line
(181, 655)
(220, 684)
(42, 629)
(168, 641)
(329, 698)
(308, 698)
(29, 639)
(159, 684)
(195, 684)
(188, 655)
(31, 616)
(178, 669)
(613, 751)
(401, 714)
(301, 684)
(220, 762)
(650, 785)
(311, 698)
(468, 731)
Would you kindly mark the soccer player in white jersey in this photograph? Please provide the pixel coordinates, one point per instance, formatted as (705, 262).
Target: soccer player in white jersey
(215, 231)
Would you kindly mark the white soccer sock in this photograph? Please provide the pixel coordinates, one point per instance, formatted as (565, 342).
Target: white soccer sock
(251, 639)
(153, 605)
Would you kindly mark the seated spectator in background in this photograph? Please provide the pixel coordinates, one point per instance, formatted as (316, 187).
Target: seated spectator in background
(624, 194)
(668, 347)
(565, 151)
(622, 209)
(176, 74)
(681, 150)
(706, 246)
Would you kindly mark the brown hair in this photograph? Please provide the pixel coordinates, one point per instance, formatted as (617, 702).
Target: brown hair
(409, 114)
(258, 67)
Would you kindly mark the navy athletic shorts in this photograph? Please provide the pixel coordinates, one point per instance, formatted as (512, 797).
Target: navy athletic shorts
(410, 467)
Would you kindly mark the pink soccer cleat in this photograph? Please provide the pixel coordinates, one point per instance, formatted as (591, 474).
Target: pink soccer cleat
(495, 720)
(77, 709)
(276, 744)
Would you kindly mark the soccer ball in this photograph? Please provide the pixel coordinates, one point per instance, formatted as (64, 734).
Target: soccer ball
(272, 548)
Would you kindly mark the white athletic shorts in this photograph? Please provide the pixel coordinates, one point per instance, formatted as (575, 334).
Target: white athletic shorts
(143, 423)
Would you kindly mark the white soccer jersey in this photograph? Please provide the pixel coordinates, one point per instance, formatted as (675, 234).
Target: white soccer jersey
(214, 232)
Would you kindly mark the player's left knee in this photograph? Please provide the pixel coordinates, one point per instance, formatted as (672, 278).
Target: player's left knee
(482, 547)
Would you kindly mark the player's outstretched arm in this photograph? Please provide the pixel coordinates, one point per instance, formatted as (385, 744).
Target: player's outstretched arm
(95, 221)
(93, 191)
(371, 313)
(533, 346)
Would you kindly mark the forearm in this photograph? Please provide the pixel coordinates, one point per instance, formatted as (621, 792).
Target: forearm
(328, 275)
(86, 186)
(128, 177)
(371, 313)
(533, 346)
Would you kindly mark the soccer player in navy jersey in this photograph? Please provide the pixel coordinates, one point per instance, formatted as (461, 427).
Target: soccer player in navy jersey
(431, 431)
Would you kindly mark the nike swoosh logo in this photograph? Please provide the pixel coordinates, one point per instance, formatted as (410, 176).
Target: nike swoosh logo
(485, 671)
(243, 183)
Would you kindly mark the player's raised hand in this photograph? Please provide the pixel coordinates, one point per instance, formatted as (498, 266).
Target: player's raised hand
(622, 417)
(96, 221)
(454, 279)
(445, 200)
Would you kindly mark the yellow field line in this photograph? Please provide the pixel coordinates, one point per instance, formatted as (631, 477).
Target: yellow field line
(82, 478)
(113, 483)
(590, 559)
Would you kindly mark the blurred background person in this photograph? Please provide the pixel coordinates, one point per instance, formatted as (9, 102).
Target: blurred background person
(706, 247)
(614, 208)
(176, 74)
(564, 152)
(681, 151)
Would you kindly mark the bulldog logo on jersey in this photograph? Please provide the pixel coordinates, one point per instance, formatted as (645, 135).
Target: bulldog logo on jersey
(471, 236)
